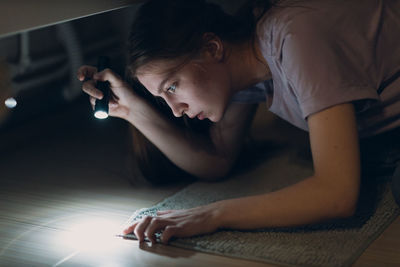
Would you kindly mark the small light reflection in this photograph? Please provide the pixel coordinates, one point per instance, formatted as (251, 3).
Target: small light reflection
(10, 102)
(101, 114)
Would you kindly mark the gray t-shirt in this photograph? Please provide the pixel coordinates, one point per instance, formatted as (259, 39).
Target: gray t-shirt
(327, 52)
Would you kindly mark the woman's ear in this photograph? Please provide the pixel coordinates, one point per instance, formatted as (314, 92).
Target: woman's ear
(213, 46)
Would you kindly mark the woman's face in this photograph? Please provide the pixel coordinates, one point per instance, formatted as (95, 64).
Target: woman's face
(201, 88)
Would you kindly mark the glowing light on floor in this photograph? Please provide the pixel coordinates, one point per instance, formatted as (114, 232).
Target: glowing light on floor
(93, 235)
(10, 102)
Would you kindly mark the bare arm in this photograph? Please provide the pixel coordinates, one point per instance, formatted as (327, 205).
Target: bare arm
(331, 192)
(206, 157)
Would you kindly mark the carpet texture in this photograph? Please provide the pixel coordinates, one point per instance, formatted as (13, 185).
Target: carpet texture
(334, 243)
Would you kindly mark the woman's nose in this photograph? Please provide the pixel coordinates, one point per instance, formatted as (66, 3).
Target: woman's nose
(177, 108)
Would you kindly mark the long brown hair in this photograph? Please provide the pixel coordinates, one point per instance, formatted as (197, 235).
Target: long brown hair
(174, 30)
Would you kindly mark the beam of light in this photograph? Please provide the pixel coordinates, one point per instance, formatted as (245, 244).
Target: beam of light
(91, 235)
(101, 114)
(10, 102)
(77, 235)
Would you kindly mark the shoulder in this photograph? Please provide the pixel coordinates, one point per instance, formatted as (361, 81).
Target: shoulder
(300, 21)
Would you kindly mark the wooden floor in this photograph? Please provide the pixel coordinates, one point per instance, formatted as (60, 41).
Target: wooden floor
(64, 192)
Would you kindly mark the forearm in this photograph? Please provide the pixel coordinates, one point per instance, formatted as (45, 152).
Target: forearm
(308, 201)
(194, 155)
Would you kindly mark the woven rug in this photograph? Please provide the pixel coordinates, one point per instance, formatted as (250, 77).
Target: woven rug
(334, 243)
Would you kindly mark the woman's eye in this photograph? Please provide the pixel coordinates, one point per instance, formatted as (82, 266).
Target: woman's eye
(171, 89)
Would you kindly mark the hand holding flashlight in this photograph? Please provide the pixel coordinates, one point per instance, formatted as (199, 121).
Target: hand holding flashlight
(109, 94)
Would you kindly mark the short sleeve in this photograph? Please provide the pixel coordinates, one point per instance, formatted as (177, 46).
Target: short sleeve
(323, 71)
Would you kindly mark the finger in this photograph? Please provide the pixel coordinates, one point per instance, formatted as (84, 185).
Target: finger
(86, 71)
(169, 232)
(130, 228)
(112, 103)
(90, 89)
(141, 227)
(109, 75)
(155, 225)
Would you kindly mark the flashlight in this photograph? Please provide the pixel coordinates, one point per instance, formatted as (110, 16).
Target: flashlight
(101, 105)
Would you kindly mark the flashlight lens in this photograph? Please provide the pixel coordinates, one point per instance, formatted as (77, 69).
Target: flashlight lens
(101, 114)
(10, 102)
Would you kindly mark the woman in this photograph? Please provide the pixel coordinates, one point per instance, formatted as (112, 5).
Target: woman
(334, 67)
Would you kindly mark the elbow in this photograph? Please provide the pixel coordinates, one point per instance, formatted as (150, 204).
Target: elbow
(340, 198)
(346, 210)
(345, 206)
